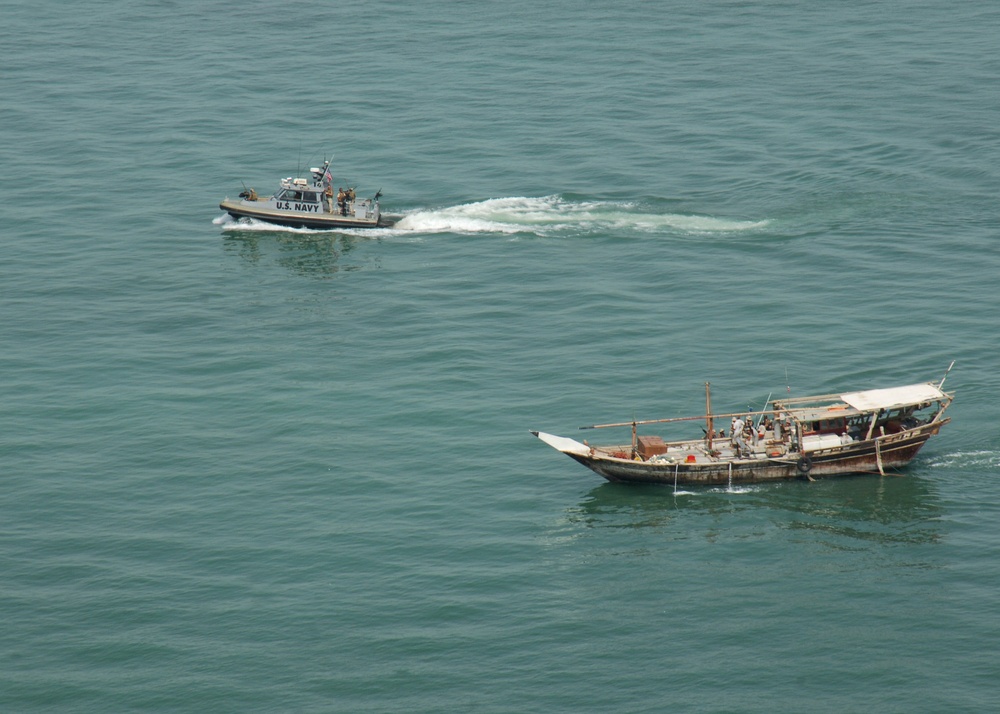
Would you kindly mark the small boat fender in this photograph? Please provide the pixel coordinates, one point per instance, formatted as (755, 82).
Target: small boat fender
(804, 464)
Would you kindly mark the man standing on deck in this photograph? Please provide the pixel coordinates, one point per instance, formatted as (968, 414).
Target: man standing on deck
(738, 426)
(739, 437)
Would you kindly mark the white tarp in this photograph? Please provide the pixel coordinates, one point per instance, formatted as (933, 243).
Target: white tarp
(561, 443)
(893, 397)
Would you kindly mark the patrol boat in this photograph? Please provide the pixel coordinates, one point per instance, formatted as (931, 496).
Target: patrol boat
(308, 203)
(871, 431)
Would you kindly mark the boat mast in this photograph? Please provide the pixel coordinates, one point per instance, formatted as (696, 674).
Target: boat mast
(708, 414)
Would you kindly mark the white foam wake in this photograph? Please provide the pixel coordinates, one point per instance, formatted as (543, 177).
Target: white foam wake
(970, 459)
(552, 214)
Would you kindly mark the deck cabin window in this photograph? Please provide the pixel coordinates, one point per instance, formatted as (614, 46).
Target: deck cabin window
(825, 426)
(306, 196)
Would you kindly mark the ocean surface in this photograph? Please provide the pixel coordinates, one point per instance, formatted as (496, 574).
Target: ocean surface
(246, 468)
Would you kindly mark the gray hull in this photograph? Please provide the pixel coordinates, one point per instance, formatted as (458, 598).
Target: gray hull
(295, 219)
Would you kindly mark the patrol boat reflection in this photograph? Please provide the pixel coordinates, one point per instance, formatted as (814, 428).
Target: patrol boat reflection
(308, 203)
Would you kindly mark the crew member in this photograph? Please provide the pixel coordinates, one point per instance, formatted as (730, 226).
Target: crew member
(737, 429)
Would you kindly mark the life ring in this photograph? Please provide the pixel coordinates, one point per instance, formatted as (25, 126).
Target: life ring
(804, 464)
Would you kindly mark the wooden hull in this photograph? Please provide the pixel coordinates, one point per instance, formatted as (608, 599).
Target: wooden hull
(873, 456)
(292, 219)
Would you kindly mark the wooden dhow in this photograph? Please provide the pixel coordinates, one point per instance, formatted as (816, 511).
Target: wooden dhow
(872, 431)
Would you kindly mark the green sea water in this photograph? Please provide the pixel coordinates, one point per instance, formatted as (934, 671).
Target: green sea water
(258, 469)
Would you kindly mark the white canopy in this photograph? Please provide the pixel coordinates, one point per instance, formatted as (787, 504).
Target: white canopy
(893, 397)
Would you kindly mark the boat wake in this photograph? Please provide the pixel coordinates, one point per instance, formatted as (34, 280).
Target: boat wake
(551, 215)
(543, 216)
(968, 459)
